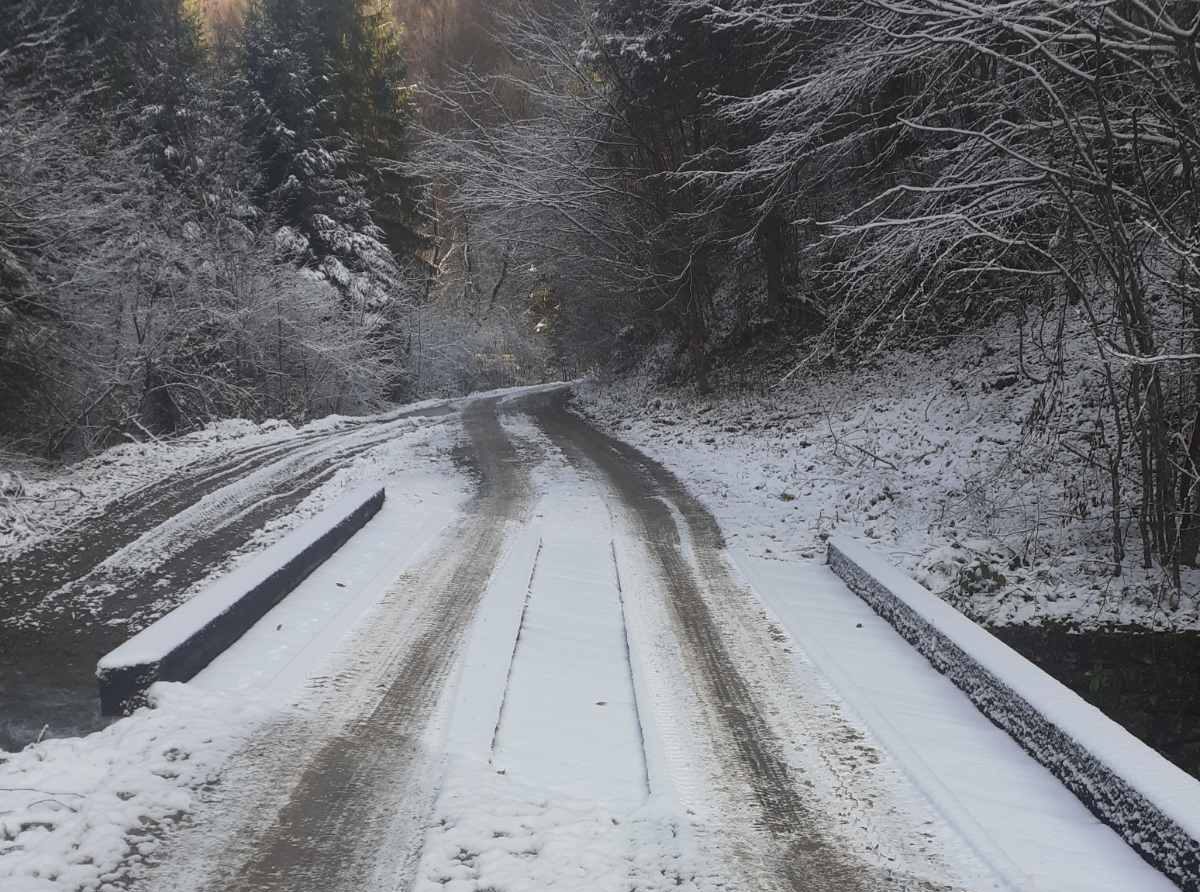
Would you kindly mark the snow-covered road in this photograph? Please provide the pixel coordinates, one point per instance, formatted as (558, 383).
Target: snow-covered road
(540, 668)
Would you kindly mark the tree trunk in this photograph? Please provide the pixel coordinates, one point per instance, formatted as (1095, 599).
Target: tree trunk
(1189, 521)
(773, 251)
(697, 285)
(1189, 486)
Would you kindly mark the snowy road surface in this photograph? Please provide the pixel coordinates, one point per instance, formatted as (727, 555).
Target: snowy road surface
(542, 669)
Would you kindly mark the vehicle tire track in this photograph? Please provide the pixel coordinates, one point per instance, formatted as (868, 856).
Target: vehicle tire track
(30, 576)
(51, 595)
(808, 857)
(354, 814)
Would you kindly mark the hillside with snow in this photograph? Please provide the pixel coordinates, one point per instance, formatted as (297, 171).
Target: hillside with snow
(937, 458)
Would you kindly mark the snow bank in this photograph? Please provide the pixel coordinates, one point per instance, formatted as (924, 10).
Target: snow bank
(186, 640)
(1151, 803)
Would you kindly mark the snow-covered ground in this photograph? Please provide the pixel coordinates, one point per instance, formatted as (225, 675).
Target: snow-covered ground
(1027, 826)
(87, 812)
(590, 733)
(43, 500)
(48, 499)
(539, 796)
(928, 457)
(84, 813)
(546, 784)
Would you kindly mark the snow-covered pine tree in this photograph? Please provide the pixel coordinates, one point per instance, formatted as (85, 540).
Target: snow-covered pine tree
(139, 296)
(140, 63)
(326, 117)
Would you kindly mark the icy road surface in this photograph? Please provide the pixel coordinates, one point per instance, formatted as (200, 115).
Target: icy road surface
(562, 680)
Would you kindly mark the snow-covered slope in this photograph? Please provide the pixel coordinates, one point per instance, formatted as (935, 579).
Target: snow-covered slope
(928, 456)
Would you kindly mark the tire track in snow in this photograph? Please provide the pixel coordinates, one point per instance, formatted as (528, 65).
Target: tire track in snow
(561, 801)
(516, 644)
(181, 551)
(358, 771)
(32, 575)
(804, 852)
(638, 706)
(569, 722)
(138, 560)
(28, 576)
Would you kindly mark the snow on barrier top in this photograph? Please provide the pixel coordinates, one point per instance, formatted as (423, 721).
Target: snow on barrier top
(178, 646)
(1151, 803)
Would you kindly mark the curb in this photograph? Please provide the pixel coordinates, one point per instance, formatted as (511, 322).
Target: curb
(1151, 803)
(182, 643)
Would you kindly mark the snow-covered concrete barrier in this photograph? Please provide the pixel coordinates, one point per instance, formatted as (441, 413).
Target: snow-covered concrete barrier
(178, 646)
(1151, 803)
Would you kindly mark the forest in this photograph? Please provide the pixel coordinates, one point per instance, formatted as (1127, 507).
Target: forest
(607, 444)
(287, 208)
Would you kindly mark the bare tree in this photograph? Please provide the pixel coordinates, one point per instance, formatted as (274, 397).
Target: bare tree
(952, 161)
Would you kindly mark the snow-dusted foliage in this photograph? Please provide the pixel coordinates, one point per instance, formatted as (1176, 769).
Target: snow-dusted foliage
(144, 288)
(1035, 161)
(533, 169)
(866, 176)
(1127, 794)
(149, 317)
(325, 116)
(450, 352)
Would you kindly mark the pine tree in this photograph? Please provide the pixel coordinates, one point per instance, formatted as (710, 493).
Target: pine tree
(327, 118)
(377, 115)
(146, 58)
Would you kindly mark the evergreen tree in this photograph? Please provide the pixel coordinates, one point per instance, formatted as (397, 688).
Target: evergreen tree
(326, 117)
(143, 59)
(377, 114)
